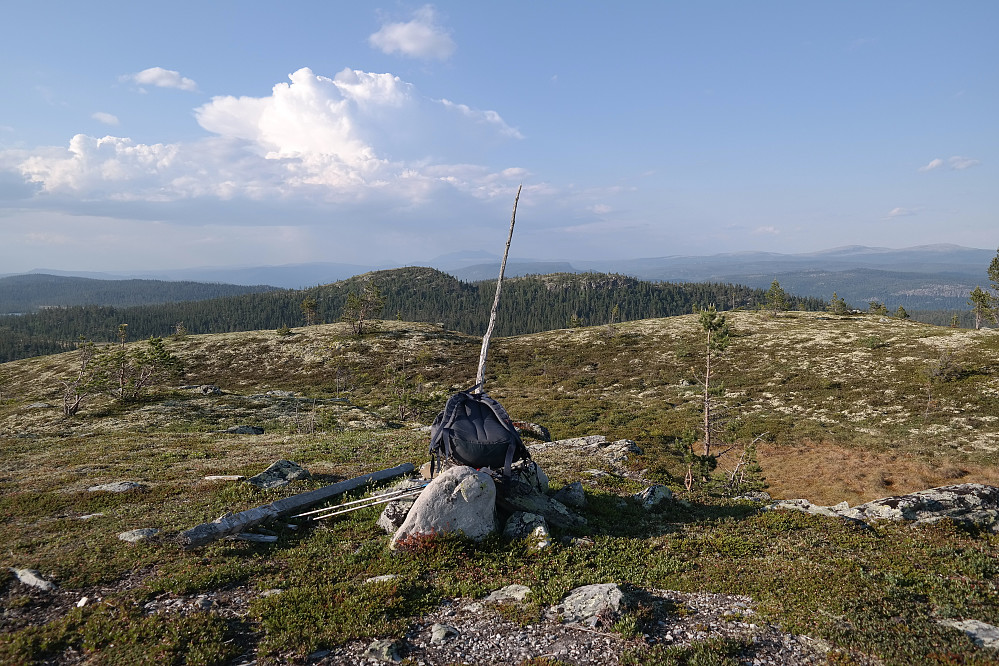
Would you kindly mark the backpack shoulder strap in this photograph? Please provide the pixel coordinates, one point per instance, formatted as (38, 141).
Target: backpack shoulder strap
(516, 443)
(440, 435)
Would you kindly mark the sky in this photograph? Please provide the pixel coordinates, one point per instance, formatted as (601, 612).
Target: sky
(142, 136)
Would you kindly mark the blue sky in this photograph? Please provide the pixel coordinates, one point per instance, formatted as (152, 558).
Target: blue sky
(136, 135)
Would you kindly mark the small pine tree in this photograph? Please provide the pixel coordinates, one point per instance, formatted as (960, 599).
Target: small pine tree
(310, 310)
(716, 332)
(901, 313)
(877, 308)
(776, 298)
(360, 308)
(837, 305)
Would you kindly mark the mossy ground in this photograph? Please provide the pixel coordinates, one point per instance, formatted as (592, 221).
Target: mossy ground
(830, 406)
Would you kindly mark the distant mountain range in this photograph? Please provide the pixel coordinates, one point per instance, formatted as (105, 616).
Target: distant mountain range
(922, 277)
(21, 294)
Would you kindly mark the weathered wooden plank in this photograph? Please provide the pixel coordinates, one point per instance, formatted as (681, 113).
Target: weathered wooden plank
(235, 523)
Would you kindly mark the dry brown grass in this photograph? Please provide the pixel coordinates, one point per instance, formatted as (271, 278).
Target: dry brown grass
(826, 473)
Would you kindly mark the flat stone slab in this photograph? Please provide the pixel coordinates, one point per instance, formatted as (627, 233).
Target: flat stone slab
(508, 593)
(983, 634)
(968, 503)
(116, 487)
(280, 473)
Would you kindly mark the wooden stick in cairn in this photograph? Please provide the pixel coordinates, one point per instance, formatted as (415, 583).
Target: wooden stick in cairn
(480, 377)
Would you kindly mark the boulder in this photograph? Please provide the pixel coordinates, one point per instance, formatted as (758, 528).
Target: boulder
(518, 496)
(530, 526)
(384, 650)
(530, 472)
(279, 474)
(461, 499)
(653, 495)
(533, 430)
(395, 512)
(442, 633)
(590, 604)
(571, 495)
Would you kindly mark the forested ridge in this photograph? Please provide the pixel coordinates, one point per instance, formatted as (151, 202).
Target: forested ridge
(529, 305)
(28, 293)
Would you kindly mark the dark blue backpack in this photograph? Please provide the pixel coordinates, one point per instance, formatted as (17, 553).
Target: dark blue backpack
(475, 430)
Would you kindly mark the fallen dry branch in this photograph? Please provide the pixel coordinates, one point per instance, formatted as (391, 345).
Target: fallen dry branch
(235, 523)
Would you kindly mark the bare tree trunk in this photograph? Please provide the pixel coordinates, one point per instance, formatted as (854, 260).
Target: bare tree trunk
(235, 523)
(480, 377)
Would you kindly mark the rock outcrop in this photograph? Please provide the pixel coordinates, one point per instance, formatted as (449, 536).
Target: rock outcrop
(967, 503)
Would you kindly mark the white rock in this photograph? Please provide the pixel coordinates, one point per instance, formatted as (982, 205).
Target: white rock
(983, 634)
(461, 499)
(33, 578)
(509, 593)
(141, 534)
(442, 633)
(583, 604)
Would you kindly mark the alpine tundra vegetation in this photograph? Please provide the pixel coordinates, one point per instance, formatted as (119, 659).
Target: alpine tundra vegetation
(826, 407)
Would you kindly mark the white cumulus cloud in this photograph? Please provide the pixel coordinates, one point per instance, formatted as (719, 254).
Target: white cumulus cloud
(352, 138)
(900, 212)
(422, 37)
(161, 78)
(769, 229)
(106, 118)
